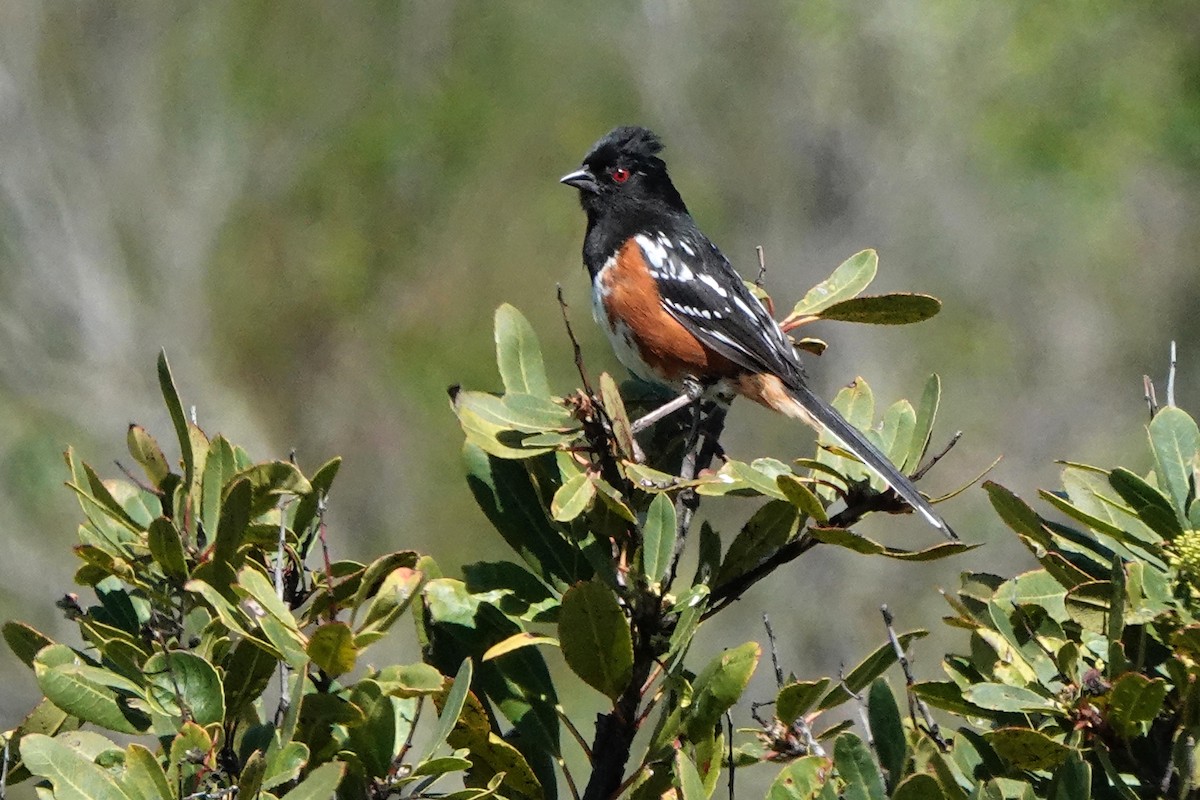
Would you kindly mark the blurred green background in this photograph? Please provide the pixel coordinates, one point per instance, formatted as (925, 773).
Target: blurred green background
(315, 208)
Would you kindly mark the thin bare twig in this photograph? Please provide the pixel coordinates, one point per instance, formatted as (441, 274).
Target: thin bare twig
(698, 458)
(566, 771)
(915, 704)
(862, 710)
(1171, 378)
(578, 351)
(936, 457)
(762, 266)
(774, 653)
(732, 768)
(136, 482)
(1151, 400)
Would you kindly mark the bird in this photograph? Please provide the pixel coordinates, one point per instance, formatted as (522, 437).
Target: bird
(677, 313)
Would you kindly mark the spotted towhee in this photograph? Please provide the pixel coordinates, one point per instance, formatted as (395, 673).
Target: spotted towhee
(678, 314)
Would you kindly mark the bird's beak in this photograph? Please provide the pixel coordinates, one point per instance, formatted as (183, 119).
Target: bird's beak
(581, 179)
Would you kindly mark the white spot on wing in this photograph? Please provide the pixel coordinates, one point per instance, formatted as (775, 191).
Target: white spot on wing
(711, 281)
(655, 252)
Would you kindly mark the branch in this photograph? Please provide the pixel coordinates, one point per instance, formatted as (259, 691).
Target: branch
(915, 704)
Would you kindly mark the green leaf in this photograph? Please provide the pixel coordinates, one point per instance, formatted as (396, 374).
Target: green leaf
(850, 278)
(861, 544)
(270, 479)
(573, 498)
(926, 415)
(1003, 697)
(868, 670)
(254, 584)
(1036, 588)
(179, 680)
(1175, 440)
(887, 309)
(236, 511)
(285, 764)
(373, 739)
(921, 786)
(505, 492)
(1147, 502)
(1027, 749)
(1016, 513)
(166, 383)
(595, 639)
(887, 730)
(718, 686)
(770, 527)
(802, 779)
(320, 784)
(856, 767)
(451, 707)
(254, 770)
(614, 406)
(72, 774)
(145, 451)
(896, 432)
(1134, 702)
(25, 641)
(518, 354)
(145, 775)
(797, 698)
(254, 667)
(166, 547)
(516, 642)
(1073, 780)
(1087, 604)
(803, 498)
(410, 680)
(67, 683)
(658, 538)
(392, 598)
(687, 778)
(331, 647)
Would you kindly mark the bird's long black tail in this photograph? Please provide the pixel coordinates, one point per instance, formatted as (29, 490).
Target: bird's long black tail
(858, 444)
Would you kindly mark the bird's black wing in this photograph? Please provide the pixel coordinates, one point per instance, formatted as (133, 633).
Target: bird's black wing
(700, 288)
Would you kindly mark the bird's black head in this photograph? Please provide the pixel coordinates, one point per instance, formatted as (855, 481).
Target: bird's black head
(623, 174)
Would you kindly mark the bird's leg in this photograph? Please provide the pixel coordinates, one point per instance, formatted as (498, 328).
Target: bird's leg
(691, 393)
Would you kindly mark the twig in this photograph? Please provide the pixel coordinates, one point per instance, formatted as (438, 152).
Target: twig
(936, 457)
(136, 482)
(762, 267)
(732, 770)
(862, 710)
(1171, 378)
(412, 729)
(562, 305)
(562, 764)
(4, 769)
(774, 653)
(1151, 400)
(914, 702)
(697, 459)
(566, 721)
(321, 506)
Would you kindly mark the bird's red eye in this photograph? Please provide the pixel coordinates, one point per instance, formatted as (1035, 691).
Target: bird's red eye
(620, 174)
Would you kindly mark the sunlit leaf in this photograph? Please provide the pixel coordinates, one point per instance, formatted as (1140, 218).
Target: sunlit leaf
(1175, 440)
(851, 277)
(518, 354)
(516, 642)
